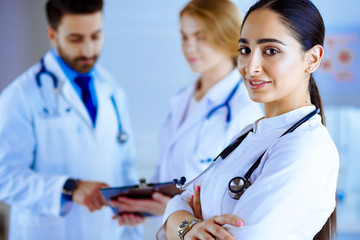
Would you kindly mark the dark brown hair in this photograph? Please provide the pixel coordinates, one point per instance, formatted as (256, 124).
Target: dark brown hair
(55, 9)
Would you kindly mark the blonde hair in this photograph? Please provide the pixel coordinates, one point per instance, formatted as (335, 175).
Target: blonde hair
(222, 23)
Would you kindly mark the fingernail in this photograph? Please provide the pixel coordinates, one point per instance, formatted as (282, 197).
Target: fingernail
(192, 196)
(155, 195)
(198, 188)
(239, 223)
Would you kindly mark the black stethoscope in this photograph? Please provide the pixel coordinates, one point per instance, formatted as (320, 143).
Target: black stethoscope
(238, 185)
(122, 136)
(205, 123)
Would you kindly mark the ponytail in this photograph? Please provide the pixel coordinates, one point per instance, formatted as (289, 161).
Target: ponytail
(316, 98)
(304, 21)
(328, 231)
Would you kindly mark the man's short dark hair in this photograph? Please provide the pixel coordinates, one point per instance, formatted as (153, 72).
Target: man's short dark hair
(55, 9)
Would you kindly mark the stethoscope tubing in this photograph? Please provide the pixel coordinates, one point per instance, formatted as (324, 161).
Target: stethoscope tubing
(291, 129)
(44, 71)
(229, 149)
(205, 123)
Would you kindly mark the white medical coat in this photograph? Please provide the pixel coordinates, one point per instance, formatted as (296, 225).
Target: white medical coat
(293, 189)
(39, 152)
(177, 140)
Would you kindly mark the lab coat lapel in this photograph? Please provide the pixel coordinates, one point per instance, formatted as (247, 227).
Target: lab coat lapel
(216, 96)
(75, 102)
(179, 108)
(67, 90)
(105, 109)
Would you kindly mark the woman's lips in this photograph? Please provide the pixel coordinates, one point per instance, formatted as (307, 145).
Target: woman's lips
(192, 59)
(257, 84)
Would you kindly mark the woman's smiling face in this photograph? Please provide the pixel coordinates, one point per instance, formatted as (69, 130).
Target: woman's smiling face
(272, 63)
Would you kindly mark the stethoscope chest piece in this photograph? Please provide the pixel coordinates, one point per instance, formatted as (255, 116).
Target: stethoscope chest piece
(122, 137)
(237, 187)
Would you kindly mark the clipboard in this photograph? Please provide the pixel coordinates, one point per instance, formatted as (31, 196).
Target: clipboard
(142, 191)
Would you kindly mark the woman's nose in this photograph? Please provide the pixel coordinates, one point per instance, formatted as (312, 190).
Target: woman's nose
(254, 65)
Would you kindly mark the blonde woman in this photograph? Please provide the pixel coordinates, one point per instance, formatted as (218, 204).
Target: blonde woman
(207, 114)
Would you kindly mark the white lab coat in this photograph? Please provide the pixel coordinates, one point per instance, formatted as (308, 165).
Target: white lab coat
(293, 189)
(177, 140)
(39, 152)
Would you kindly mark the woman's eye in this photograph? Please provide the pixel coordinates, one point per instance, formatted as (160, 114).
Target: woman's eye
(200, 38)
(244, 50)
(271, 51)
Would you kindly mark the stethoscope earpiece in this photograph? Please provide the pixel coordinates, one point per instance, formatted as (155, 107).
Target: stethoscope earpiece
(237, 187)
(179, 183)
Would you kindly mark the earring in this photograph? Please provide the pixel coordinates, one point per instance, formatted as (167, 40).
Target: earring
(310, 68)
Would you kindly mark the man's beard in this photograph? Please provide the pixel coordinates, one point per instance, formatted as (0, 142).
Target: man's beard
(75, 63)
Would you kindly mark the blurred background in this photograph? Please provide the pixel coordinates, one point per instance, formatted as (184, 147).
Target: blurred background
(143, 51)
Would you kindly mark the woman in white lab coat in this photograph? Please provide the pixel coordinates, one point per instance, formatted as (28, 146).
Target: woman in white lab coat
(192, 136)
(291, 193)
(207, 114)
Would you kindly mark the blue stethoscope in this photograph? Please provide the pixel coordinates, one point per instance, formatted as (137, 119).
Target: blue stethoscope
(205, 123)
(122, 136)
(238, 185)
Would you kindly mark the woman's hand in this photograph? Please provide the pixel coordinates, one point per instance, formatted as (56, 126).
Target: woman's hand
(154, 206)
(212, 228)
(195, 203)
(130, 219)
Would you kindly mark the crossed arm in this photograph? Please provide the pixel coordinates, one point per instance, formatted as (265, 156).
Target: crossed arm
(212, 227)
(208, 229)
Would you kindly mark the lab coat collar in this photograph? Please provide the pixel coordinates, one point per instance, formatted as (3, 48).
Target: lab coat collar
(104, 91)
(216, 96)
(282, 121)
(220, 91)
(52, 65)
(179, 105)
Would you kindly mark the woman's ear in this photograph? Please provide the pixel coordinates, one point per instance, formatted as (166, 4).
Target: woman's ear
(313, 58)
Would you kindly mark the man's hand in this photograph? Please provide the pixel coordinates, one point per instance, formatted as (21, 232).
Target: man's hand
(130, 219)
(88, 195)
(132, 208)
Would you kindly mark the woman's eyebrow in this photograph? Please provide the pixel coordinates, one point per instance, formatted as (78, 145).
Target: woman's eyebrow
(266, 40)
(261, 41)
